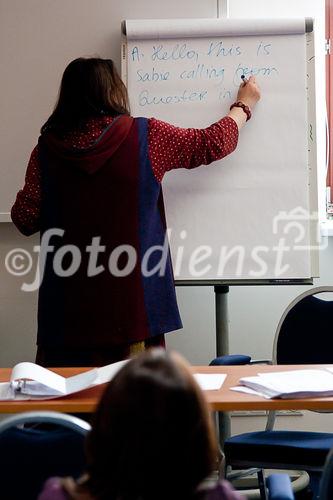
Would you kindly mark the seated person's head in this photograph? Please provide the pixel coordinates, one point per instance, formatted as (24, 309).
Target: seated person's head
(152, 436)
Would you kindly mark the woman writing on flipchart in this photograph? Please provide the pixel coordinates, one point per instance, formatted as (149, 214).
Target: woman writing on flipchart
(93, 190)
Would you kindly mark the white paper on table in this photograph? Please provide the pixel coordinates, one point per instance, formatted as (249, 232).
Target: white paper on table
(210, 381)
(106, 373)
(328, 368)
(6, 392)
(292, 383)
(247, 390)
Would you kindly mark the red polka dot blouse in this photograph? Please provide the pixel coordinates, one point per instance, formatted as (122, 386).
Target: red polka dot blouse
(169, 147)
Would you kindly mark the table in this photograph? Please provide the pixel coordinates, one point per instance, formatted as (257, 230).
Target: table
(221, 400)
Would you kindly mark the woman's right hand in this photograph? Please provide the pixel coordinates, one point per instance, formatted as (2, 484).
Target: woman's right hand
(249, 92)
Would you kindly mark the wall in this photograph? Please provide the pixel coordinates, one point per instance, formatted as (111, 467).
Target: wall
(38, 38)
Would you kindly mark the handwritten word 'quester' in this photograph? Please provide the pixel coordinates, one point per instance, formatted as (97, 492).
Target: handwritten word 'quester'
(145, 98)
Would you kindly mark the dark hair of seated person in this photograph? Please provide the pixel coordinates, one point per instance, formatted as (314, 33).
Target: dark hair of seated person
(152, 435)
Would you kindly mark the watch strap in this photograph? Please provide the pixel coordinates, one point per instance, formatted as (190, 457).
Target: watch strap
(245, 108)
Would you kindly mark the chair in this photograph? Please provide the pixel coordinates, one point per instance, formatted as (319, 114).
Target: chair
(29, 455)
(326, 483)
(303, 336)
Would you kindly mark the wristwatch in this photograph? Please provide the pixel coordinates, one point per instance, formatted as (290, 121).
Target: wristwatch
(246, 109)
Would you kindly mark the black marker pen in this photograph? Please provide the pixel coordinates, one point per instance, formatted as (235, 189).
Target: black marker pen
(244, 79)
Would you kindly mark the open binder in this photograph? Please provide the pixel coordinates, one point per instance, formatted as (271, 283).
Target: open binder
(31, 381)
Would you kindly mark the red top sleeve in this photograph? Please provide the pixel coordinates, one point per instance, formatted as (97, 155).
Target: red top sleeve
(26, 209)
(169, 147)
(174, 147)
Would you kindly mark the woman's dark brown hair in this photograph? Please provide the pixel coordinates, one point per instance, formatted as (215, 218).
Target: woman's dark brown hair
(152, 436)
(89, 87)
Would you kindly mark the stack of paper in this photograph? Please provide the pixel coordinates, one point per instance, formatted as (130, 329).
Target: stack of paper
(289, 384)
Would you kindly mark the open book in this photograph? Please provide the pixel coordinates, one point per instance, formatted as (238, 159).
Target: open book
(289, 384)
(31, 381)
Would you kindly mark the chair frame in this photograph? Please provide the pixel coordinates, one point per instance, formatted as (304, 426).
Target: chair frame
(47, 417)
(325, 492)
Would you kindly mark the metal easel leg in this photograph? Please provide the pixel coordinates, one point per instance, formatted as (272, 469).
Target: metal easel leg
(222, 348)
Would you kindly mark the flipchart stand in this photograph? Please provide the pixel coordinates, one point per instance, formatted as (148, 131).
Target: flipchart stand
(221, 290)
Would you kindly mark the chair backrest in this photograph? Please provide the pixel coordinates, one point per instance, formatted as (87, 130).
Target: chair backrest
(30, 454)
(304, 333)
(326, 482)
